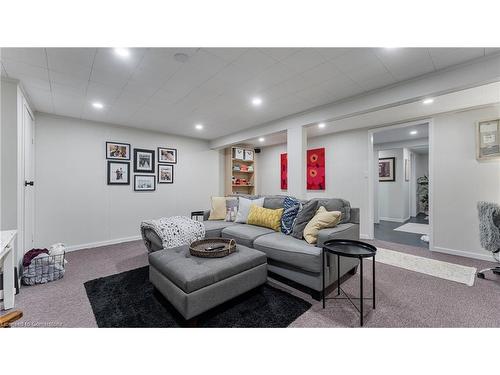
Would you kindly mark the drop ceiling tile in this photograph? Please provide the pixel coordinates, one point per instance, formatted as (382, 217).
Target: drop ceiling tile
(66, 79)
(160, 64)
(41, 100)
(279, 54)
(332, 53)
(18, 70)
(275, 74)
(444, 57)
(321, 73)
(367, 72)
(227, 54)
(72, 90)
(234, 75)
(254, 61)
(71, 61)
(31, 82)
(358, 59)
(491, 51)
(139, 89)
(304, 59)
(102, 93)
(30, 56)
(377, 81)
(67, 105)
(406, 63)
(115, 78)
(203, 60)
(288, 87)
(165, 97)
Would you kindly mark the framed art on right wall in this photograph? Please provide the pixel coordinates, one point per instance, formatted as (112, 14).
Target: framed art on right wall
(488, 140)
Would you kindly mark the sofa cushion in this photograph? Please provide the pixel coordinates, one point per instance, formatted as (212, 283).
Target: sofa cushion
(347, 231)
(214, 228)
(274, 202)
(192, 273)
(291, 208)
(289, 250)
(244, 207)
(305, 214)
(336, 204)
(245, 234)
(322, 219)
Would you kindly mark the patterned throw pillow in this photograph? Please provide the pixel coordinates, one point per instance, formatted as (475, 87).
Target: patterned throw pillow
(265, 217)
(290, 210)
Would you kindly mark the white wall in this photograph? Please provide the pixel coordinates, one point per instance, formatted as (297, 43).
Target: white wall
(8, 146)
(393, 196)
(346, 170)
(75, 205)
(460, 181)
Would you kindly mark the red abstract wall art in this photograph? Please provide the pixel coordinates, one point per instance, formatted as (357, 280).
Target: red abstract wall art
(284, 171)
(316, 169)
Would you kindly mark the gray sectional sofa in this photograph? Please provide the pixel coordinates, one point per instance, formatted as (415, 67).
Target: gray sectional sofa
(288, 258)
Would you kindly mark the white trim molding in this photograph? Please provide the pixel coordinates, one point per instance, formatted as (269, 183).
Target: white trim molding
(394, 219)
(91, 245)
(463, 253)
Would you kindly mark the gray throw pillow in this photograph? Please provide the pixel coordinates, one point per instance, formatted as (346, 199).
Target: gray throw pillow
(303, 217)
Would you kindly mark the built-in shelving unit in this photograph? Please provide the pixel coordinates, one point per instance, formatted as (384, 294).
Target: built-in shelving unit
(240, 177)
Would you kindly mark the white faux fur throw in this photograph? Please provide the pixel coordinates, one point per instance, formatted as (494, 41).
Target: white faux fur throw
(174, 231)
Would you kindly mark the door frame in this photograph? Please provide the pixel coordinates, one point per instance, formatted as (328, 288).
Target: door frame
(22, 104)
(371, 175)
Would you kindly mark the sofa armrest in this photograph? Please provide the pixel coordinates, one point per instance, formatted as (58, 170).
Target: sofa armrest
(348, 231)
(354, 215)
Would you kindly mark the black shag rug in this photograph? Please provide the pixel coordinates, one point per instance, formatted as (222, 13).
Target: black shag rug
(128, 299)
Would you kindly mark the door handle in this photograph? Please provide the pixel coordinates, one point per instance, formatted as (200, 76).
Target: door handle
(30, 183)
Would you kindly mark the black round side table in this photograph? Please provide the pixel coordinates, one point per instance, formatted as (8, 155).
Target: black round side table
(351, 249)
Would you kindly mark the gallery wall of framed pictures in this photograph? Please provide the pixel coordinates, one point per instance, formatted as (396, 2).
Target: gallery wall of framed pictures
(118, 157)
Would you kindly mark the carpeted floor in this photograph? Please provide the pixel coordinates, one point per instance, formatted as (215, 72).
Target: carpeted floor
(405, 298)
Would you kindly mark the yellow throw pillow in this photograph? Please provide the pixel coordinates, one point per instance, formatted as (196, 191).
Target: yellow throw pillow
(265, 217)
(218, 211)
(322, 219)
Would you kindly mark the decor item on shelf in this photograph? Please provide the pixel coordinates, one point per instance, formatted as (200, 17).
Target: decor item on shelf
(407, 169)
(248, 155)
(165, 174)
(218, 209)
(265, 217)
(144, 182)
(284, 171)
(236, 167)
(250, 168)
(291, 208)
(243, 181)
(387, 169)
(239, 153)
(488, 140)
(233, 180)
(316, 169)
(321, 220)
(244, 168)
(144, 160)
(167, 155)
(212, 247)
(244, 208)
(423, 194)
(237, 181)
(119, 151)
(118, 172)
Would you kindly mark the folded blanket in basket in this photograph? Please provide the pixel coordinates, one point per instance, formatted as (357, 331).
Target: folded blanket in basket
(173, 231)
(43, 268)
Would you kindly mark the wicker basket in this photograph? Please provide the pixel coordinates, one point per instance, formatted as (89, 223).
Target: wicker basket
(198, 248)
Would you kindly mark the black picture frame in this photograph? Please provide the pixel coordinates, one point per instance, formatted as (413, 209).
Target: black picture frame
(392, 172)
(138, 151)
(152, 177)
(160, 166)
(127, 145)
(127, 164)
(160, 161)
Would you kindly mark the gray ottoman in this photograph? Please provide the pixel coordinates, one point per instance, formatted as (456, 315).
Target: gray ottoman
(194, 285)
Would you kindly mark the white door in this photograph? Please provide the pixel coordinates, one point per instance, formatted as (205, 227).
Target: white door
(29, 177)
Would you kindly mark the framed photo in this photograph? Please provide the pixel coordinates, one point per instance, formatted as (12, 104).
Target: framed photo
(407, 169)
(165, 174)
(248, 155)
(386, 169)
(488, 140)
(118, 172)
(144, 182)
(239, 153)
(118, 151)
(144, 160)
(167, 155)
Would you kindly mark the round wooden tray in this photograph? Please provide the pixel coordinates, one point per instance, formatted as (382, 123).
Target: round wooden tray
(198, 248)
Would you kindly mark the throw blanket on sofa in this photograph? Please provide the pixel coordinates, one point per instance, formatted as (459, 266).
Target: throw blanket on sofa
(174, 231)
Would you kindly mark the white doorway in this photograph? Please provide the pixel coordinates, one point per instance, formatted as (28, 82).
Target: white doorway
(400, 211)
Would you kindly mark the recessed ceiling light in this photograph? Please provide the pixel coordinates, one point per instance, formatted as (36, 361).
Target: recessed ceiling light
(198, 126)
(97, 105)
(428, 101)
(122, 52)
(261, 139)
(321, 125)
(256, 101)
(414, 132)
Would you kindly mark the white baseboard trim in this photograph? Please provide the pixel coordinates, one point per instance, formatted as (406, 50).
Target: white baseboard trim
(365, 237)
(101, 243)
(395, 219)
(461, 253)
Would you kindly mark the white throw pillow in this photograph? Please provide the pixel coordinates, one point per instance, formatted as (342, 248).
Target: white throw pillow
(244, 208)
